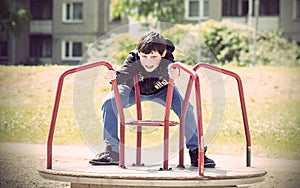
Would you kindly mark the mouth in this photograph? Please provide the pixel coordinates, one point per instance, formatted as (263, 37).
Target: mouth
(149, 67)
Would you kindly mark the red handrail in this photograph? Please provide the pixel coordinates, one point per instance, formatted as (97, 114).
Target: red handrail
(193, 77)
(57, 101)
(139, 117)
(242, 101)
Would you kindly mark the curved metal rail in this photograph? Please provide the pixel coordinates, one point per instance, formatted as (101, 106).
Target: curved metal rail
(242, 101)
(193, 78)
(166, 122)
(57, 101)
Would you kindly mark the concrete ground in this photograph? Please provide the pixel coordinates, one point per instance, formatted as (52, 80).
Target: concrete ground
(20, 164)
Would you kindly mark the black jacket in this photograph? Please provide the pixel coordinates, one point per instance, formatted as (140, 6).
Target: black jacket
(150, 82)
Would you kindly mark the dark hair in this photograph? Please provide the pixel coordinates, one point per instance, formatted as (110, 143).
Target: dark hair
(152, 41)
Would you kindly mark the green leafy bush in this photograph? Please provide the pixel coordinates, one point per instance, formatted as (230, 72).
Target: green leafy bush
(220, 43)
(274, 49)
(177, 33)
(226, 41)
(233, 43)
(123, 45)
(189, 44)
(185, 40)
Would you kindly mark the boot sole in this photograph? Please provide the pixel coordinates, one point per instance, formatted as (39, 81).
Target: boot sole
(209, 165)
(103, 163)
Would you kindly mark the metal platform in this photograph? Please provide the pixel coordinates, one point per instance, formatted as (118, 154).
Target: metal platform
(83, 175)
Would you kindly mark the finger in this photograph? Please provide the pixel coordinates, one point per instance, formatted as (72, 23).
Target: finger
(170, 66)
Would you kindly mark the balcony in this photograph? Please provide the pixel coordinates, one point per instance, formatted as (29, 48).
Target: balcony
(41, 27)
(265, 23)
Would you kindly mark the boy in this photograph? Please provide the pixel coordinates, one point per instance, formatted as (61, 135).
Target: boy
(150, 61)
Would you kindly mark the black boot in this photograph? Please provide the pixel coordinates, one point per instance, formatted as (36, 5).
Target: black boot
(108, 157)
(208, 163)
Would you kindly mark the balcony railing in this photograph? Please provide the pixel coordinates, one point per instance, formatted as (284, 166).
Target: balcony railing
(41, 26)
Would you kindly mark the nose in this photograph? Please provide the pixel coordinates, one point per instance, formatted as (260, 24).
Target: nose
(148, 60)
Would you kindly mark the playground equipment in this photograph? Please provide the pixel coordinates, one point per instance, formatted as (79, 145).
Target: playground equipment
(166, 123)
(242, 101)
(105, 176)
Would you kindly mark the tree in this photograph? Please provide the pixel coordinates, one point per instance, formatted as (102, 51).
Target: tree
(12, 17)
(171, 11)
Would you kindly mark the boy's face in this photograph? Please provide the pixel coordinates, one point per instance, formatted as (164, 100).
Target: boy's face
(151, 61)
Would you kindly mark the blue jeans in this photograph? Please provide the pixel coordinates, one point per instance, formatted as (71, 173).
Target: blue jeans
(110, 114)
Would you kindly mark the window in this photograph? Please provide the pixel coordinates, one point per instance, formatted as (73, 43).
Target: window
(196, 9)
(205, 9)
(71, 50)
(40, 46)
(234, 7)
(269, 8)
(296, 9)
(41, 10)
(73, 12)
(193, 8)
(3, 49)
(240, 7)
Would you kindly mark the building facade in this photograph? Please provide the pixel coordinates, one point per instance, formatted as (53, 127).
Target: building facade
(60, 30)
(273, 15)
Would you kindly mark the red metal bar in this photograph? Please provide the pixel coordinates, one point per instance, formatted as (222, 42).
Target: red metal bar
(193, 76)
(121, 113)
(242, 101)
(182, 123)
(122, 123)
(150, 123)
(166, 123)
(139, 117)
(200, 128)
(57, 101)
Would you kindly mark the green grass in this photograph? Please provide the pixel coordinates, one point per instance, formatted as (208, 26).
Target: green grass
(272, 100)
(275, 130)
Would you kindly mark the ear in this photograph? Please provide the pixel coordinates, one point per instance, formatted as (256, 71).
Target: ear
(164, 53)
